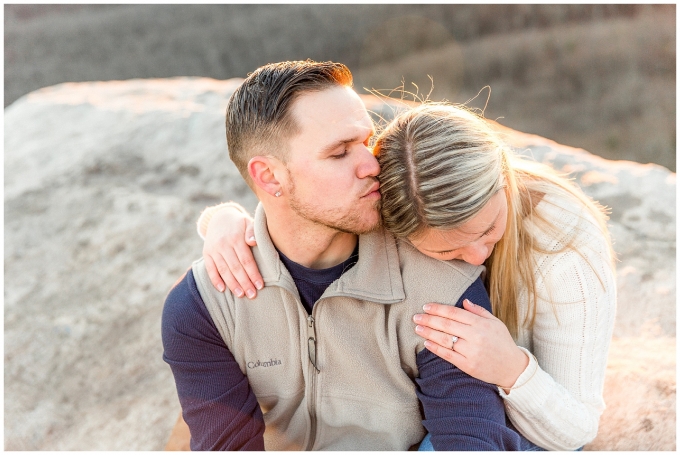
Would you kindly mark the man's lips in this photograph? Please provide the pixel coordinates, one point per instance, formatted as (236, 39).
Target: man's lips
(373, 190)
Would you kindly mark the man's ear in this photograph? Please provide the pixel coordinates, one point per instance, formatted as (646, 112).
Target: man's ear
(263, 170)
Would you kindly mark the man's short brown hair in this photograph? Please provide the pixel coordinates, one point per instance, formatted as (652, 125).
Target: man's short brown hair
(259, 111)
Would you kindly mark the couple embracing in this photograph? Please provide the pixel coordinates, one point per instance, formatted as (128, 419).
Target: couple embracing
(424, 288)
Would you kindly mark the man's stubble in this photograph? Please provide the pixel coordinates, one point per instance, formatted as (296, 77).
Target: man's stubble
(354, 221)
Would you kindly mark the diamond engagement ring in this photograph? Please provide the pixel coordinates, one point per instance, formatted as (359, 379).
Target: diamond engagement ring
(454, 338)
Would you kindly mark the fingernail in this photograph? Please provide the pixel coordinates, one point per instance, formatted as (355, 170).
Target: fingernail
(428, 344)
(427, 307)
(251, 293)
(220, 287)
(238, 292)
(251, 238)
(419, 328)
(259, 285)
(417, 317)
(469, 303)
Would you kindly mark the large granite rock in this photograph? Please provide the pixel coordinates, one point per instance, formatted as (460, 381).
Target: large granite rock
(103, 183)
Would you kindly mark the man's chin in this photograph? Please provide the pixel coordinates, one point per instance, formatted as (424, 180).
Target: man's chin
(369, 224)
(367, 229)
(376, 222)
(358, 225)
(351, 222)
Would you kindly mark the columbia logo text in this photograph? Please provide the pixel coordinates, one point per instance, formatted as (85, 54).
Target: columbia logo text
(269, 363)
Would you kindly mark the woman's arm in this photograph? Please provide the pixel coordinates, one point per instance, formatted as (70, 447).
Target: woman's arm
(484, 348)
(228, 233)
(556, 405)
(461, 412)
(559, 405)
(209, 212)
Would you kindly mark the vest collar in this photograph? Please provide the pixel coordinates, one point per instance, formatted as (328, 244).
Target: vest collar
(375, 277)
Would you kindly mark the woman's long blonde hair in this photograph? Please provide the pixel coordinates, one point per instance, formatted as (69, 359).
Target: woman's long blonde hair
(440, 164)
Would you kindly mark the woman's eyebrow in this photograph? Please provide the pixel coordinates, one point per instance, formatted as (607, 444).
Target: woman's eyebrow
(493, 223)
(484, 231)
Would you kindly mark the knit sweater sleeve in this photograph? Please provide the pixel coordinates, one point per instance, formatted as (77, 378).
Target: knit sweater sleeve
(217, 402)
(557, 401)
(461, 412)
(209, 212)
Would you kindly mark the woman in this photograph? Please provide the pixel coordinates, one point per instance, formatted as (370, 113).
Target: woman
(451, 189)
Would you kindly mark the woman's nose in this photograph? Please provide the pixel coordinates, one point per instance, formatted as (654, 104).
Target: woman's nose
(475, 254)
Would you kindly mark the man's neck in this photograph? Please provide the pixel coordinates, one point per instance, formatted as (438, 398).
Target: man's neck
(310, 244)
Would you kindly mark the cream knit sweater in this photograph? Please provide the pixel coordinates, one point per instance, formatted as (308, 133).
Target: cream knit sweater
(557, 405)
(557, 401)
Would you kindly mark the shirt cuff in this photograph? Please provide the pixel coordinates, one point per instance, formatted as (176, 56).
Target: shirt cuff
(209, 212)
(530, 391)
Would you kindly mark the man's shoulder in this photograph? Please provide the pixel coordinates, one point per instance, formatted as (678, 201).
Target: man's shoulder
(183, 299)
(419, 270)
(192, 297)
(183, 291)
(200, 283)
(185, 314)
(421, 279)
(409, 257)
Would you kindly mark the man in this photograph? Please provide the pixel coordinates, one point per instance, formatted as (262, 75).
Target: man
(325, 357)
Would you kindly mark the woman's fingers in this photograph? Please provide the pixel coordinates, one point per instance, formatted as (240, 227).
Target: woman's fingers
(444, 325)
(213, 274)
(225, 272)
(450, 312)
(247, 261)
(446, 353)
(476, 309)
(484, 349)
(231, 282)
(461, 353)
(250, 234)
(227, 245)
(441, 338)
(235, 268)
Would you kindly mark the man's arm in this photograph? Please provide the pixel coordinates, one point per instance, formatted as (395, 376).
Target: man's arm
(217, 402)
(461, 412)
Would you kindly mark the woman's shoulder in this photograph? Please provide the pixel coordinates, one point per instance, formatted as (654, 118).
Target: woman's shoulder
(562, 208)
(560, 217)
(572, 252)
(565, 213)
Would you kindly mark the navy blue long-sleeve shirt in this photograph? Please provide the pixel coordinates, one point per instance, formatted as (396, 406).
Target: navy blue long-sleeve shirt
(461, 413)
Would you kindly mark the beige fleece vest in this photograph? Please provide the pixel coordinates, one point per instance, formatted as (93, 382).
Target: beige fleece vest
(344, 377)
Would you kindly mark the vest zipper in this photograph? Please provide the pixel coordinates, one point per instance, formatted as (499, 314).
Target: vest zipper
(311, 348)
(311, 341)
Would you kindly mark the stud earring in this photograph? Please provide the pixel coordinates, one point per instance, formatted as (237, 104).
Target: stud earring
(277, 194)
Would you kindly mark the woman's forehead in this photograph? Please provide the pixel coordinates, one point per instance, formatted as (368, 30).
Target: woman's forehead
(481, 222)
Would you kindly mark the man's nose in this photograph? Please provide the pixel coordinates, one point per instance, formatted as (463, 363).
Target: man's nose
(368, 167)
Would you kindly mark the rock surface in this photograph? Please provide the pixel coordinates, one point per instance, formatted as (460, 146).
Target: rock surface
(103, 183)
